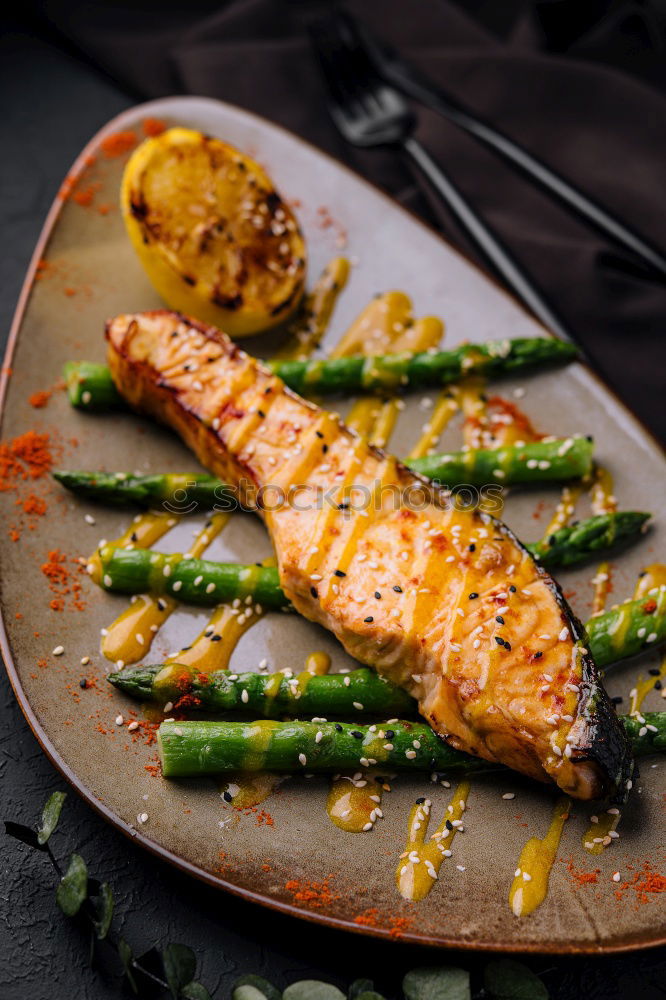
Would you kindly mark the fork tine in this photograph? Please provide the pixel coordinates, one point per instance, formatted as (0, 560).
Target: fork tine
(335, 57)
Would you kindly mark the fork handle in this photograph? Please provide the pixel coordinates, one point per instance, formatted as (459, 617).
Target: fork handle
(487, 243)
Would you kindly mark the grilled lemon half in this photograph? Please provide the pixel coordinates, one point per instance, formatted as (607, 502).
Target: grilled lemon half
(215, 238)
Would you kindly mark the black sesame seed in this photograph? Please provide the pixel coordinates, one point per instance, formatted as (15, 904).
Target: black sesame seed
(338, 727)
(390, 733)
(227, 796)
(552, 539)
(420, 800)
(473, 596)
(216, 638)
(355, 733)
(313, 591)
(378, 595)
(538, 655)
(324, 448)
(512, 588)
(588, 437)
(343, 506)
(340, 572)
(134, 537)
(83, 683)
(499, 640)
(658, 685)
(369, 619)
(654, 671)
(449, 824)
(261, 414)
(398, 589)
(507, 645)
(472, 547)
(319, 434)
(499, 619)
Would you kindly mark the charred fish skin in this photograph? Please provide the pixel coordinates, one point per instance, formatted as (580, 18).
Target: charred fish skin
(597, 734)
(444, 602)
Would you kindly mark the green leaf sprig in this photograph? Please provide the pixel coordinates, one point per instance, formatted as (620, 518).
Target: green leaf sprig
(174, 967)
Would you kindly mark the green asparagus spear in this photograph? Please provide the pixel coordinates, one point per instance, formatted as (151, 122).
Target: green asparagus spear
(194, 581)
(178, 492)
(190, 749)
(533, 462)
(391, 372)
(536, 462)
(575, 543)
(269, 696)
(90, 387)
(628, 628)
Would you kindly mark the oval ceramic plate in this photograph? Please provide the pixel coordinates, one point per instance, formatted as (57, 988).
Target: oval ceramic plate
(290, 856)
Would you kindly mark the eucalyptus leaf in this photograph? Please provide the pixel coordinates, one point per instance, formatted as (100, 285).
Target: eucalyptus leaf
(127, 957)
(73, 887)
(358, 987)
(312, 989)
(247, 992)
(23, 833)
(261, 989)
(50, 816)
(442, 982)
(104, 908)
(507, 979)
(195, 991)
(179, 967)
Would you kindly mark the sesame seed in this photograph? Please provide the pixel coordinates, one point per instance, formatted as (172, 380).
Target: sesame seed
(564, 634)
(133, 726)
(303, 759)
(119, 720)
(177, 584)
(89, 519)
(410, 754)
(143, 817)
(85, 660)
(358, 706)
(509, 795)
(59, 650)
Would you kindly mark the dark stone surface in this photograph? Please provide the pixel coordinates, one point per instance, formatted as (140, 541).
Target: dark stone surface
(52, 105)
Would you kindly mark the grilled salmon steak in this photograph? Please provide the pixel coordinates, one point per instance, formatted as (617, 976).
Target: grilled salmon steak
(445, 602)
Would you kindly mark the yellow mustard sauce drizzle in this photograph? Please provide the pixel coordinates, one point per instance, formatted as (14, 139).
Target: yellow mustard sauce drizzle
(314, 315)
(599, 833)
(247, 788)
(530, 883)
(421, 860)
(130, 636)
(354, 801)
(317, 664)
(564, 511)
(603, 502)
(213, 647)
(446, 406)
(474, 409)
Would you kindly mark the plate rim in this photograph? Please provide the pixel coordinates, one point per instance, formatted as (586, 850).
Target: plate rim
(407, 937)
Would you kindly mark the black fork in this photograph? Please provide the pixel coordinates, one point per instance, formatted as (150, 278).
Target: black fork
(368, 112)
